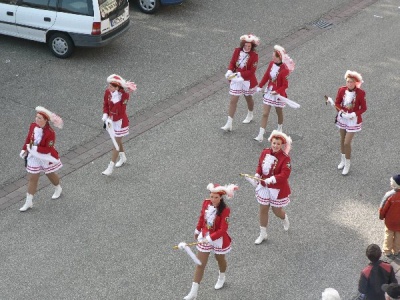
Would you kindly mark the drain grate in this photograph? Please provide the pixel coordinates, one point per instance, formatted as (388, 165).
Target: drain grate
(322, 24)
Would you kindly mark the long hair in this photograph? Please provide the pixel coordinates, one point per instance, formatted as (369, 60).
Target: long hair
(222, 205)
(253, 46)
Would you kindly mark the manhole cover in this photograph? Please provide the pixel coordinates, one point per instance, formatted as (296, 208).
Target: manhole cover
(322, 24)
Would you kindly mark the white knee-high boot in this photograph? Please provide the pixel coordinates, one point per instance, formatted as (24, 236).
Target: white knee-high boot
(193, 292)
(280, 127)
(57, 192)
(260, 136)
(263, 235)
(346, 168)
(220, 281)
(342, 162)
(286, 223)
(109, 169)
(228, 125)
(28, 203)
(249, 117)
(122, 160)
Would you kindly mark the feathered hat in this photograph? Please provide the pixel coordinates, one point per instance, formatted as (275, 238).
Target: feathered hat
(250, 38)
(118, 80)
(228, 190)
(286, 140)
(354, 75)
(49, 116)
(285, 58)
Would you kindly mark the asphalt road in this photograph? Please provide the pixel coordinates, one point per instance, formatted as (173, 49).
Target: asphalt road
(112, 238)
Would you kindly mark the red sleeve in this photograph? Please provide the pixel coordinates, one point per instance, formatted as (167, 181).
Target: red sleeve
(223, 225)
(49, 139)
(29, 136)
(282, 83)
(284, 174)
(363, 104)
(266, 76)
(385, 208)
(339, 98)
(106, 109)
(251, 67)
(232, 64)
(200, 222)
(260, 161)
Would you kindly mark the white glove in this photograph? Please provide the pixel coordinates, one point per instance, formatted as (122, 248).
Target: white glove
(22, 154)
(258, 89)
(104, 118)
(182, 245)
(228, 73)
(28, 146)
(238, 74)
(330, 101)
(270, 180)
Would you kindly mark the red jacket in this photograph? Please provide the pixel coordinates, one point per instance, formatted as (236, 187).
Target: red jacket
(281, 83)
(116, 111)
(46, 145)
(220, 226)
(390, 211)
(359, 105)
(280, 169)
(249, 71)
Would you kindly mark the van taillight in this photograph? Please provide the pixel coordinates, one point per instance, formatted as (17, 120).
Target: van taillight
(96, 28)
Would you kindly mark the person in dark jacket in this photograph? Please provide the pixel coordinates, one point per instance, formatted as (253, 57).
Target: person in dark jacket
(375, 275)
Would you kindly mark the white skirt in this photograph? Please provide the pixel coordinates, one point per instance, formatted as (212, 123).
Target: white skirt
(268, 196)
(36, 165)
(241, 88)
(350, 125)
(215, 246)
(119, 132)
(272, 100)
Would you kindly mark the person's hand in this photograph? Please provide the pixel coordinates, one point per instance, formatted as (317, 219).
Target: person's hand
(228, 73)
(343, 114)
(28, 146)
(182, 245)
(22, 154)
(258, 89)
(104, 118)
(269, 180)
(330, 100)
(352, 115)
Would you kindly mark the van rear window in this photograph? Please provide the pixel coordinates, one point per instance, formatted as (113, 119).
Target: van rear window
(110, 7)
(79, 7)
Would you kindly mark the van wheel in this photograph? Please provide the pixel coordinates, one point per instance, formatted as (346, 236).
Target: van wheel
(149, 6)
(61, 45)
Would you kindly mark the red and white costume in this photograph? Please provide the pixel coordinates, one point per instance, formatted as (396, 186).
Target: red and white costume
(114, 105)
(276, 79)
(42, 155)
(349, 102)
(215, 228)
(246, 64)
(275, 165)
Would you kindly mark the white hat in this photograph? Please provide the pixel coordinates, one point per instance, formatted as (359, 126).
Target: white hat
(52, 117)
(286, 140)
(285, 58)
(354, 75)
(227, 190)
(118, 80)
(250, 38)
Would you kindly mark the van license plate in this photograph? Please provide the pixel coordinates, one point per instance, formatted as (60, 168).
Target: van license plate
(117, 20)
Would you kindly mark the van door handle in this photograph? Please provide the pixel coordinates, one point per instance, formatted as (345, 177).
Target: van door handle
(10, 13)
(47, 19)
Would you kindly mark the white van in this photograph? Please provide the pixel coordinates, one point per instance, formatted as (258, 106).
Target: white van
(64, 24)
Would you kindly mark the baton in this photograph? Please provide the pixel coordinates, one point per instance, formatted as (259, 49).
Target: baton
(249, 176)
